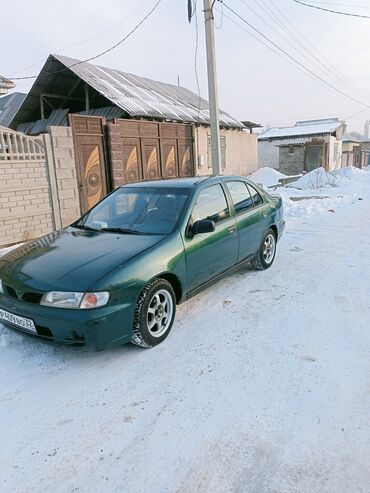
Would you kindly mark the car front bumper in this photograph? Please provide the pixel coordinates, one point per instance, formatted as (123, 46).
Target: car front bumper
(96, 328)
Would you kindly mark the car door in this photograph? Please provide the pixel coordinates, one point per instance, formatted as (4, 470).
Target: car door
(251, 216)
(210, 254)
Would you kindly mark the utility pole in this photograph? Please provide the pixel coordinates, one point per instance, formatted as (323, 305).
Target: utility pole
(212, 85)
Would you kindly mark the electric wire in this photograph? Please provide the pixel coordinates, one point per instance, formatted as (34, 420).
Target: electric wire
(101, 53)
(330, 10)
(310, 57)
(289, 27)
(308, 70)
(88, 40)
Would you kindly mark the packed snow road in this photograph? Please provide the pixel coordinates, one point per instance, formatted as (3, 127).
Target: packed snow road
(263, 385)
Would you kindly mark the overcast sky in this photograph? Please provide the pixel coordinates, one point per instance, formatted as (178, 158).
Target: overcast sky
(254, 82)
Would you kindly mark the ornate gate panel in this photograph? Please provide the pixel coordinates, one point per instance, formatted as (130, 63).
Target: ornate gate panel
(131, 154)
(88, 137)
(150, 151)
(151, 159)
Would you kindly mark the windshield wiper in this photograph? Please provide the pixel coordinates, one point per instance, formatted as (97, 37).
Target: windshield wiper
(121, 230)
(83, 226)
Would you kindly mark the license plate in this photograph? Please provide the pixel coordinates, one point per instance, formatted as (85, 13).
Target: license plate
(22, 322)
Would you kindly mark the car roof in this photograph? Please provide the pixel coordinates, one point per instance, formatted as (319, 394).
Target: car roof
(192, 182)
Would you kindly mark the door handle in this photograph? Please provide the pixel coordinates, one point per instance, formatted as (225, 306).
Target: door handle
(231, 229)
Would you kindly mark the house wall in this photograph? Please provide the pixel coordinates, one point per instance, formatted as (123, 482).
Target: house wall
(291, 163)
(334, 161)
(241, 152)
(268, 154)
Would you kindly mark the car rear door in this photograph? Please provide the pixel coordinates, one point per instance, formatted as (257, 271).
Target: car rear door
(252, 215)
(210, 254)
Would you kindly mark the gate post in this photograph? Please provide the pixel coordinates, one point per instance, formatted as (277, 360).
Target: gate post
(50, 168)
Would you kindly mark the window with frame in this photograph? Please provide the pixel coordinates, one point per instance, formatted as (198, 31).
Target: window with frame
(222, 151)
(211, 204)
(240, 195)
(257, 199)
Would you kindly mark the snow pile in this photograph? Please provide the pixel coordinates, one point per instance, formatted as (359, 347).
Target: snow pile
(266, 176)
(345, 175)
(318, 178)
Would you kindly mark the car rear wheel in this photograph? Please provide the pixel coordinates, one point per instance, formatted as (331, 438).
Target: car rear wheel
(267, 251)
(154, 314)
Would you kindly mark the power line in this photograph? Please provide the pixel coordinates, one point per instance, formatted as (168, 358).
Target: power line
(316, 61)
(342, 5)
(331, 11)
(302, 40)
(80, 43)
(294, 59)
(101, 53)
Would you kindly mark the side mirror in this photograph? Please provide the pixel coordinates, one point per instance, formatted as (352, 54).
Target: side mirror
(203, 226)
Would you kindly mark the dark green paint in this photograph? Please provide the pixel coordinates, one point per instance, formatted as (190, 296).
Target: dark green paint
(79, 260)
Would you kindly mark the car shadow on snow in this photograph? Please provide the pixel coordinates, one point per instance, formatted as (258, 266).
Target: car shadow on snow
(28, 347)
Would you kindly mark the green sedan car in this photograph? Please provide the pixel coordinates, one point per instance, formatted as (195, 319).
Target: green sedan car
(117, 274)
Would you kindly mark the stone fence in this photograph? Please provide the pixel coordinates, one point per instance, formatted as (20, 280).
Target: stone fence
(38, 184)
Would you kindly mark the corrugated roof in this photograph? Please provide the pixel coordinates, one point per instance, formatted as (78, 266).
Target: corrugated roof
(59, 118)
(312, 127)
(138, 97)
(9, 106)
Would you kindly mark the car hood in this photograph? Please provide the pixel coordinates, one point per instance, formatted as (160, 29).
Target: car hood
(71, 259)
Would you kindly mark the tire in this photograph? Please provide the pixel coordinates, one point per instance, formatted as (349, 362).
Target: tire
(266, 254)
(151, 326)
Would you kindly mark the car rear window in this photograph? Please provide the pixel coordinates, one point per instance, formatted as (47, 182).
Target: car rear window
(257, 199)
(240, 195)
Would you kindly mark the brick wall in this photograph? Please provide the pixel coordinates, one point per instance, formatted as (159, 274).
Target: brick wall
(116, 155)
(65, 174)
(38, 184)
(291, 159)
(25, 209)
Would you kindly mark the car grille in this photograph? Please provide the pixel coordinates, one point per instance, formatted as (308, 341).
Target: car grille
(29, 297)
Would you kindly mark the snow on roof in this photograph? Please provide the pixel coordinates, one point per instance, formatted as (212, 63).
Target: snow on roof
(309, 127)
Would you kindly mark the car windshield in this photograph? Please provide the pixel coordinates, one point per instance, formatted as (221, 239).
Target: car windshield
(137, 210)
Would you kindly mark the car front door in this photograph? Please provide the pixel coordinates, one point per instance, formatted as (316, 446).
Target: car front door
(210, 254)
(252, 216)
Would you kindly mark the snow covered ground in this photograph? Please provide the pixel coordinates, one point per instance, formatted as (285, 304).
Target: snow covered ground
(263, 385)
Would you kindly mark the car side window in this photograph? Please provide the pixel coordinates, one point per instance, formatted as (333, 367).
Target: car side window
(240, 194)
(257, 199)
(211, 204)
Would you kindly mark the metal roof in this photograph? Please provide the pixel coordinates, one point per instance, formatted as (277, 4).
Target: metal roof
(59, 118)
(300, 129)
(138, 97)
(9, 106)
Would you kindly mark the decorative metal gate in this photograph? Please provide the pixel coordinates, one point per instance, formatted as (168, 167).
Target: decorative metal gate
(150, 151)
(88, 136)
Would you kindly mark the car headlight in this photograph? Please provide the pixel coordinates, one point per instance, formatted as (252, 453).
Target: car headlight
(62, 299)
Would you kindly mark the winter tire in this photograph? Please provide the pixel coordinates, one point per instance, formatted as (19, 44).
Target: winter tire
(154, 314)
(267, 251)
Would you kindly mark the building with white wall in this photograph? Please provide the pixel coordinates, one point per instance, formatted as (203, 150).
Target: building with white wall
(305, 146)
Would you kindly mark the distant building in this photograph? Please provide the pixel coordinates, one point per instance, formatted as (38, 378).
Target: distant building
(9, 106)
(355, 152)
(5, 85)
(305, 146)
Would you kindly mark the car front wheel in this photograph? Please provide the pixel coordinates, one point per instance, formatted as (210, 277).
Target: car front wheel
(267, 251)
(154, 314)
